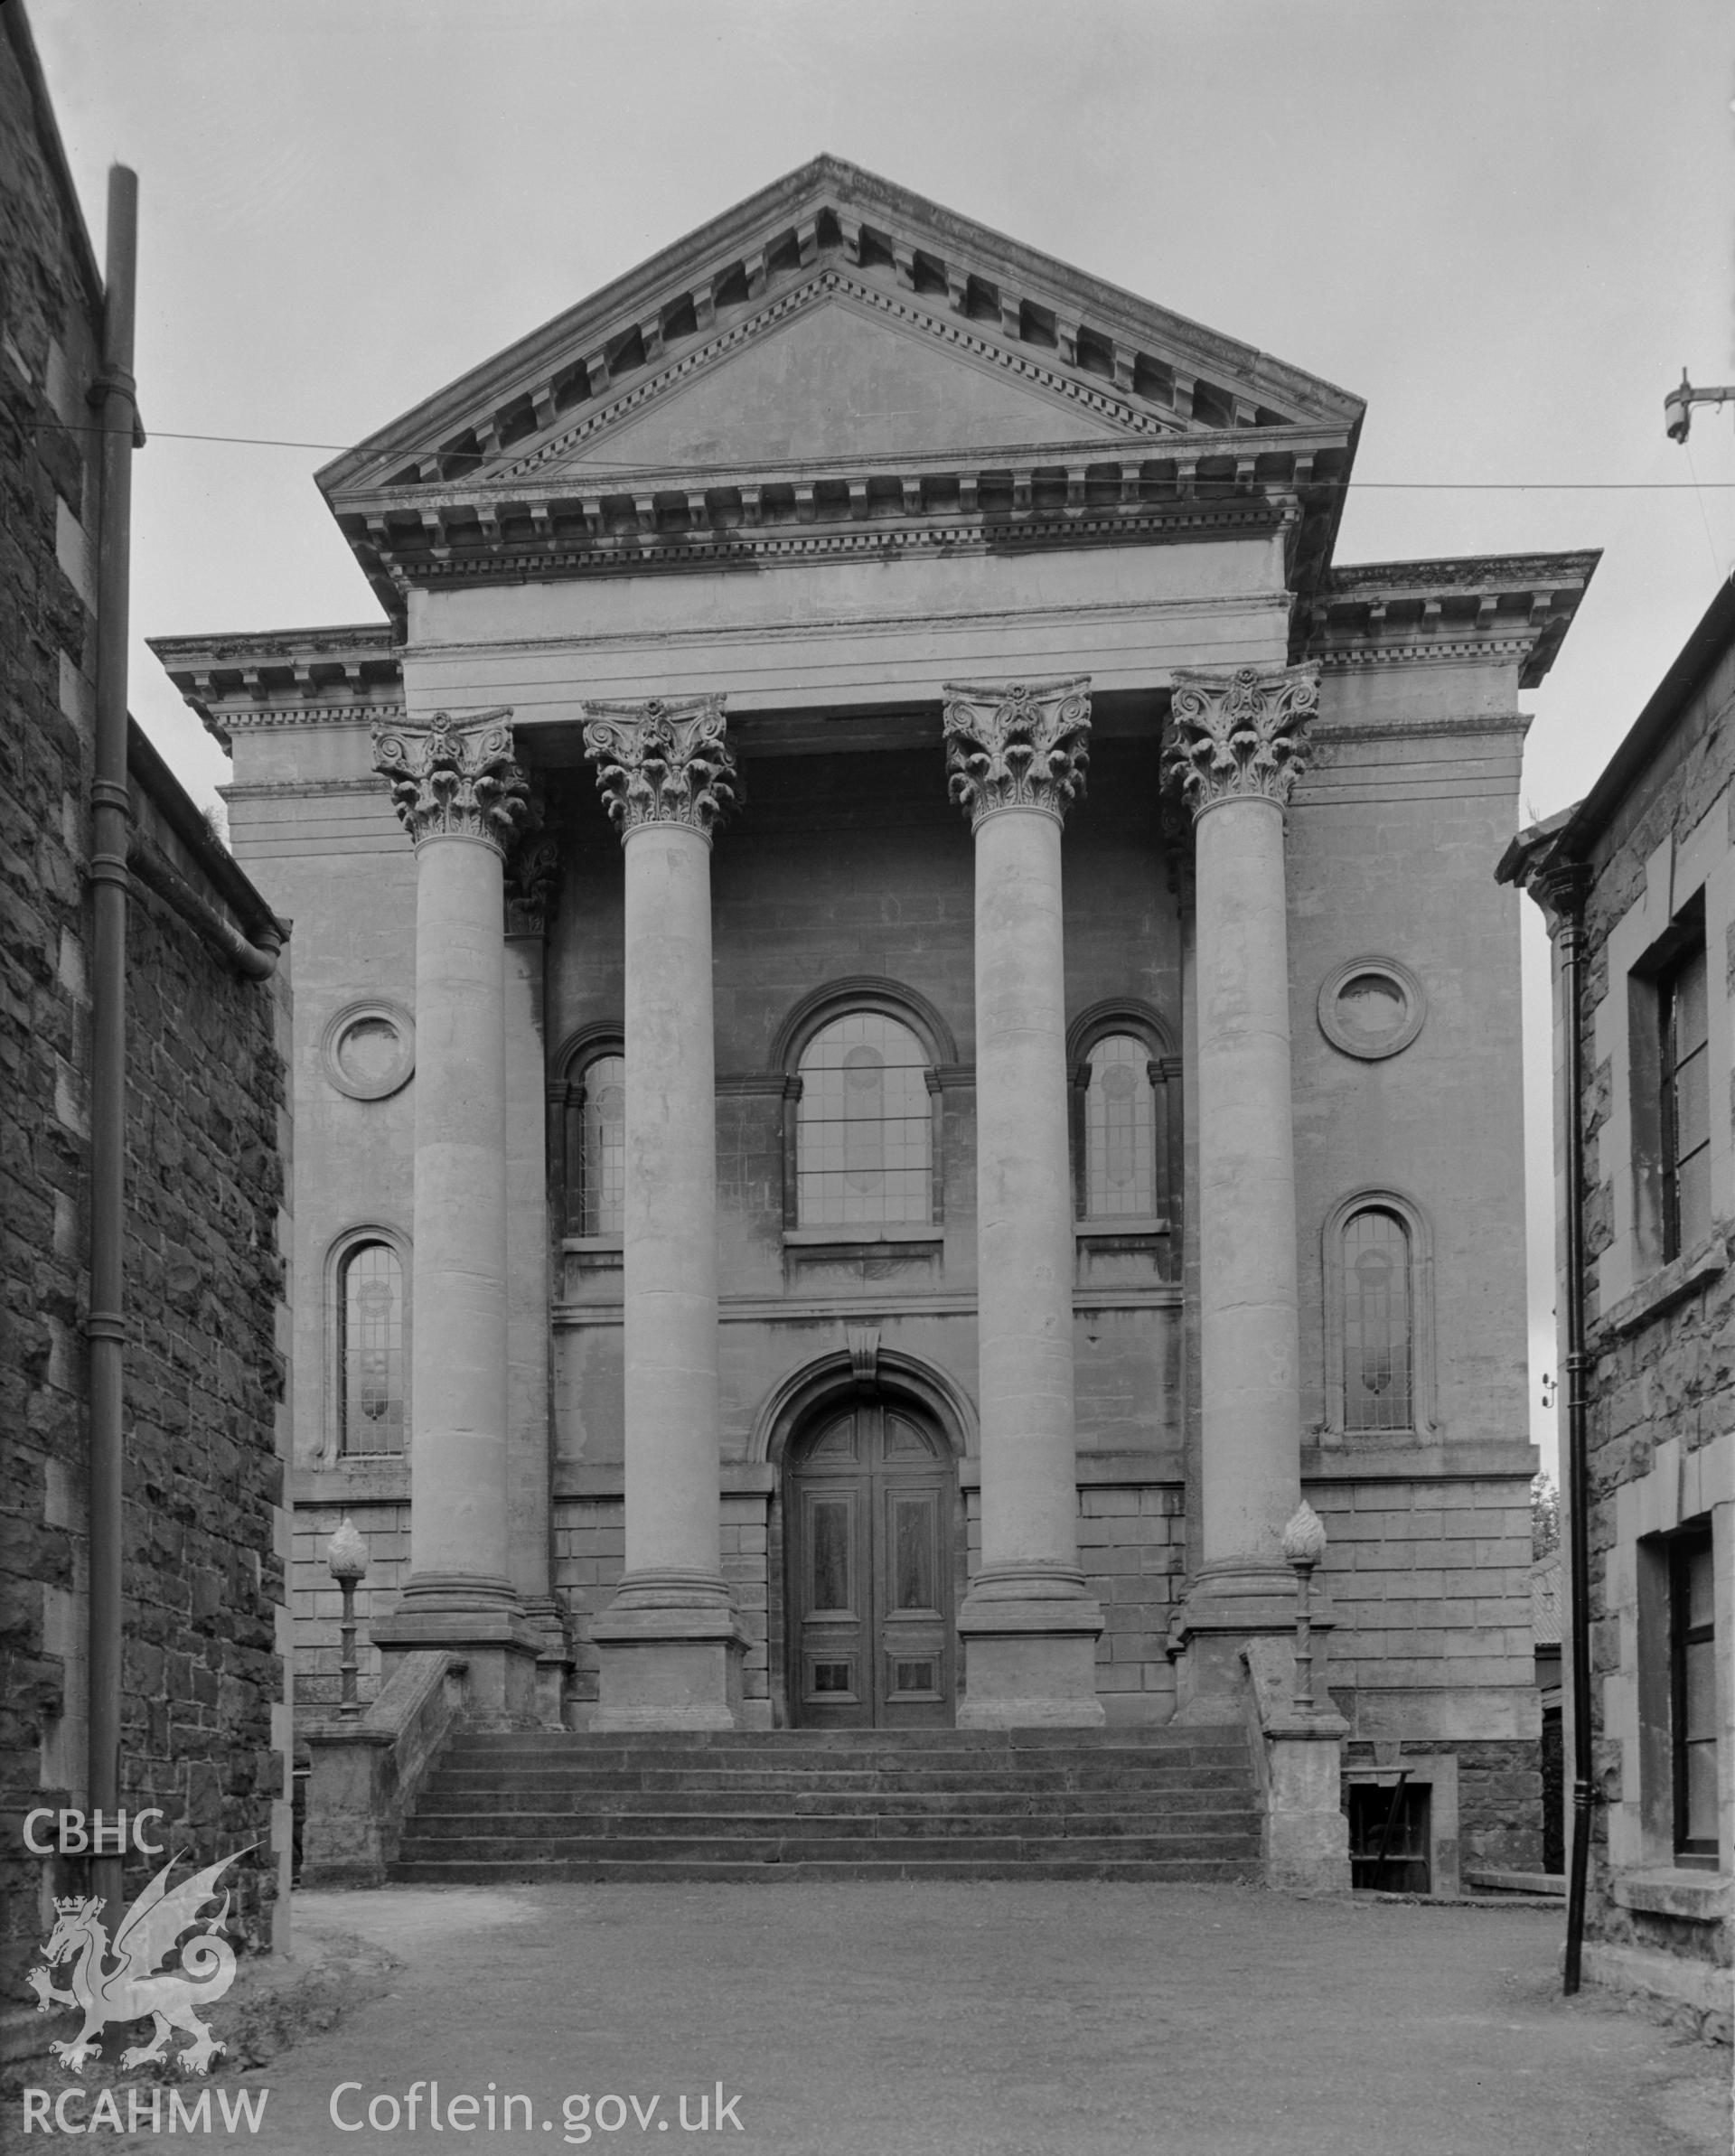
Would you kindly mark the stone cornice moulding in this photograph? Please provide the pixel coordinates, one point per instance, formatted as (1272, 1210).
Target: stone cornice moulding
(1511, 609)
(638, 554)
(1240, 734)
(664, 761)
(455, 776)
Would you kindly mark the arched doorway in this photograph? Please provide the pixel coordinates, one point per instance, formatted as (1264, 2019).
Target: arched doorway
(869, 1512)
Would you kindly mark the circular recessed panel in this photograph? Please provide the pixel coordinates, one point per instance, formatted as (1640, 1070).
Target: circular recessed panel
(1372, 1007)
(368, 1049)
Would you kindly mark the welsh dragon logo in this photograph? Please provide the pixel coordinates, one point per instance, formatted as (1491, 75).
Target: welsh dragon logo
(138, 1984)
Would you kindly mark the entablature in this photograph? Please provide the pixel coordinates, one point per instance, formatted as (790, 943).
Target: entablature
(350, 674)
(1031, 496)
(1511, 609)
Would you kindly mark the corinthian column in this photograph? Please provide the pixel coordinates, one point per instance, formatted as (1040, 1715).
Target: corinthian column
(1017, 753)
(462, 798)
(1239, 741)
(670, 1646)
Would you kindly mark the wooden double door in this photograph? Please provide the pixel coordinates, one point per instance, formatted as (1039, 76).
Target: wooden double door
(872, 1499)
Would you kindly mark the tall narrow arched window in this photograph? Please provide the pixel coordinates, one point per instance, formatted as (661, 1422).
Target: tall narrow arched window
(602, 1168)
(1119, 1130)
(864, 1129)
(371, 1388)
(1378, 1322)
(587, 1133)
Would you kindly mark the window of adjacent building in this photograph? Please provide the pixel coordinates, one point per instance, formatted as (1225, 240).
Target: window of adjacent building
(602, 1148)
(370, 1349)
(1378, 1327)
(864, 1131)
(1686, 1095)
(1692, 1680)
(1119, 1130)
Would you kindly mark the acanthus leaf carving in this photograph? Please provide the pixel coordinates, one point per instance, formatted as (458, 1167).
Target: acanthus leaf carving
(1016, 744)
(532, 885)
(1240, 734)
(662, 762)
(455, 777)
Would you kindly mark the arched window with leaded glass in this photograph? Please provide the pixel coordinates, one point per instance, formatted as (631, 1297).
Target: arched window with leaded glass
(1125, 1086)
(603, 1161)
(1378, 1318)
(1378, 1342)
(371, 1358)
(587, 1135)
(1119, 1129)
(864, 1063)
(864, 1125)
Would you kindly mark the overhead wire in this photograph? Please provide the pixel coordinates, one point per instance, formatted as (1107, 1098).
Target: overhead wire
(991, 450)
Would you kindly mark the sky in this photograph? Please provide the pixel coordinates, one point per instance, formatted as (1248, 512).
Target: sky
(1507, 224)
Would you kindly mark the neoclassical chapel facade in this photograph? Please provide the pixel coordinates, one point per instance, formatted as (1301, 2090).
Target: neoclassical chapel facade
(903, 1030)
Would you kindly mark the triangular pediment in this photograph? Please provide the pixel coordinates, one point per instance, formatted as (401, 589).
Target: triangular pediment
(832, 316)
(832, 378)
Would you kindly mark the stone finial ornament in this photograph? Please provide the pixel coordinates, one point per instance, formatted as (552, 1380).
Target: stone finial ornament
(455, 777)
(346, 1554)
(1240, 735)
(1304, 1538)
(662, 762)
(1016, 744)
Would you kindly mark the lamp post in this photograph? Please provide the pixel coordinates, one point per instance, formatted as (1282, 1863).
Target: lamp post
(1304, 1545)
(346, 1556)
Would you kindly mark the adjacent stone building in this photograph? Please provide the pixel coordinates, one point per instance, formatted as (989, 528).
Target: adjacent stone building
(1643, 869)
(901, 1034)
(205, 1728)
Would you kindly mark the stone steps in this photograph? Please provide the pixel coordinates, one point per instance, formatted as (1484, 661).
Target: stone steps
(933, 1804)
(419, 1872)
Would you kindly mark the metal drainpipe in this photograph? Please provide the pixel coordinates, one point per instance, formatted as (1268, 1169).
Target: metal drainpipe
(1567, 888)
(110, 814)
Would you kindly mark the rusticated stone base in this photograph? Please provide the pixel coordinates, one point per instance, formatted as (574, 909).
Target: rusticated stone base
(1029, 1654)
(498, 1646)
(674, 1666)
(1224, 1611)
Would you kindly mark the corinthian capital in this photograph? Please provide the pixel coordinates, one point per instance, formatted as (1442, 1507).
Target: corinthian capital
(1241, 733)
(455, 777)
(1017, 745)
(661, 763)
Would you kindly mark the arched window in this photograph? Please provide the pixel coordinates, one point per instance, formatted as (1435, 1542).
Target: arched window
(1379, 1344)
(1119, 1130)
(864, 1128)
(1126, 1120)
(587, 1134)
(602, 1169)
(371, 1372)
(1378, 1318)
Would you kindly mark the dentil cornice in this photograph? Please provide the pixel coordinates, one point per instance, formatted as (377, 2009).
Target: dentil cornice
(662, 762)
(455, 777)
(1016, 744)
(1241, 733)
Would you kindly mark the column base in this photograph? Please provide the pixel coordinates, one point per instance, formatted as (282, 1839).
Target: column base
(1029, 1640)
(670, 1655)
(481, 1620)
(1225, 1608)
